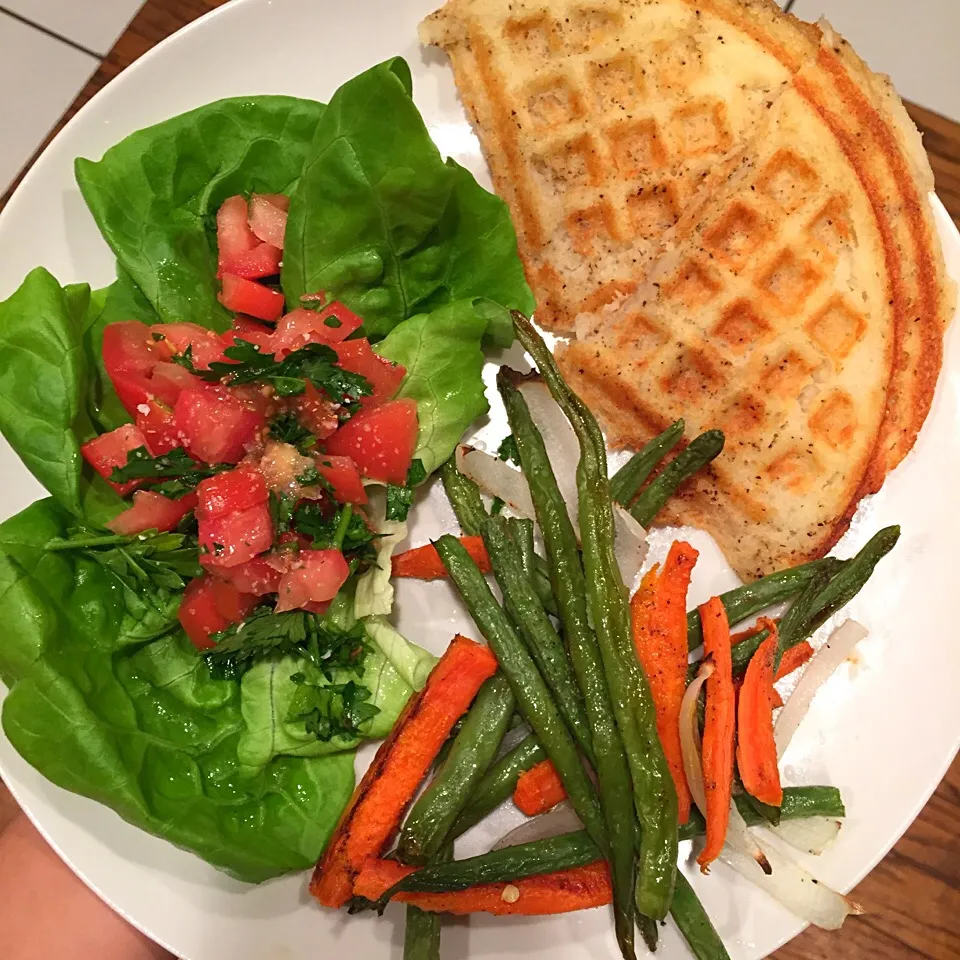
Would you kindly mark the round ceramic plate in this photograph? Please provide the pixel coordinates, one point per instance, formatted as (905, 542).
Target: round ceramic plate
(884, 729)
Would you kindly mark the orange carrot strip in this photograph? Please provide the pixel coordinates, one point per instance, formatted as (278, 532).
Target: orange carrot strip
(539, 789)
(756, 748)
(424, 563)
(776, 700)
(793, 659)
(388, 786)
(578, 888)
(719, 729)
(660, 637)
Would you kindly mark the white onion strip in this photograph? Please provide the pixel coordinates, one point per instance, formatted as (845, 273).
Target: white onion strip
(794, 887)
(740, 838)
(690, 736)
(820, 668)
(497, 478)
(561, 819)
(630, 545)
(811, 834)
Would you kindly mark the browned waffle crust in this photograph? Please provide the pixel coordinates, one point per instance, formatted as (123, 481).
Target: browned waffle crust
(790, 290)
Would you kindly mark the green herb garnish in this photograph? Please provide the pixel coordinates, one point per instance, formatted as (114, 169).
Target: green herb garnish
(399, 499)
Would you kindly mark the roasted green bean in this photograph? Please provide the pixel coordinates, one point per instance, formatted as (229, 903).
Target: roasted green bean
(628, 480)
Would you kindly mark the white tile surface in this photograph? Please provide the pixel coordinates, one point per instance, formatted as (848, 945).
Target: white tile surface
(94, 24)
(40, 77)
(917, 42)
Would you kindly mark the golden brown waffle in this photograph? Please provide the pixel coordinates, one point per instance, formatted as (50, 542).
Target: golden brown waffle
(800, 308)
(600, 121)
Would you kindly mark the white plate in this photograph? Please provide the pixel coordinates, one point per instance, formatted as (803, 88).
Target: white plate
(884, 731)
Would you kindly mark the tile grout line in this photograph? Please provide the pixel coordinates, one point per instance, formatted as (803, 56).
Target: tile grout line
(53, 34)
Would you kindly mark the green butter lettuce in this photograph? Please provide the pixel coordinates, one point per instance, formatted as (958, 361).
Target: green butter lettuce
(110, 700)
(442, 352)
(381, 222)
(45, 379)
(155, 194)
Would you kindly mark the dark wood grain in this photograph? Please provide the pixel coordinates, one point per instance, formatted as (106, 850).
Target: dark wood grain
(912, 898)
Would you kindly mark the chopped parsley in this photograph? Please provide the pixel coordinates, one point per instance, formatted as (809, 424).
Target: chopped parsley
(399, 499)
(281, 510)
(310, 477)
(508, 450)
(287, 429)
(341, 529)
(316, 363)
(173, 474)
(331, 710)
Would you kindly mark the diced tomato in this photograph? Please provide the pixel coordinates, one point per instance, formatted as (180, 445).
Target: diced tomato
(256, 576)
(110, 450)
(259, 399)
(229, 492)
(130, 354)
(152, 511)
(235, 538)
(234, 236)
(380, 441)
(205, 346)
(246, 328)
(385, 376)
(231, 603)
(158, 426)
(267, 220)
(169, 379)
(343, 476)
(245, 296)
(331, 324)
(316, 412)
(317, 577)
(280, 200)
(216, 425)
(198, 613)
(262, 261)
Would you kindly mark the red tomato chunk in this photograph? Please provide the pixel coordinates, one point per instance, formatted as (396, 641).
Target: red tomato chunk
(230, 492)
(343, 476)
(257, 576)
(110, 450)
(156, 422)
(234, 538)
(380, 441)
(268, 220)
(205, 346)
(208, 607)
(385, 376)
(316, 577)
(152, 511)
(244, 296)
(216, 425)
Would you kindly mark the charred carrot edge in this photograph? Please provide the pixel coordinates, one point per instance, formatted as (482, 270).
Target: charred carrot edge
(719, 729)
(539, 789)
(661, 643)
(793, 659)
(578, 888)
(378, 804)
(756, 748)
(424, 563)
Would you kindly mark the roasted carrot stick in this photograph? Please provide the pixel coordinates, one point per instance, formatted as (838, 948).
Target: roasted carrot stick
(578, 888)
(539, 789)
(756, 748)
(719, 730)
(660, 638)
(793, 659)
(388, 786)
(423, 563)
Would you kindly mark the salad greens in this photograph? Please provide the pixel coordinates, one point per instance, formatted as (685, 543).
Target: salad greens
(380, 221)
(245, 757)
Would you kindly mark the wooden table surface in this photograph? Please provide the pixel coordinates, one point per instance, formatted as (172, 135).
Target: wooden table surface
(912, 898)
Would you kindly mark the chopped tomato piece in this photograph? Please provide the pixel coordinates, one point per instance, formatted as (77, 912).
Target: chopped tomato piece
(385, 376)
(198, 613)
(267, 220)
(253, 331)
(316, 576)
(330, 324)
(380, 441)
(280, 200)
(152, 511)
(262, 261)
(168, 379)
(205, 346)
(234, 236)
(343, 476)
(130, 354)
(231, 604)
(110, 450)
(244, 296)
(257, 576)
(156, 422)
(316, 412)
(235, 538)
(229, 492)
(216, 425)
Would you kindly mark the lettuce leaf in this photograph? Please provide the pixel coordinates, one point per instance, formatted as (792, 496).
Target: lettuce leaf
(381, 222)
(109, 700)
(443, 354)
(44, 383)
(411, 662)
(155, 194)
